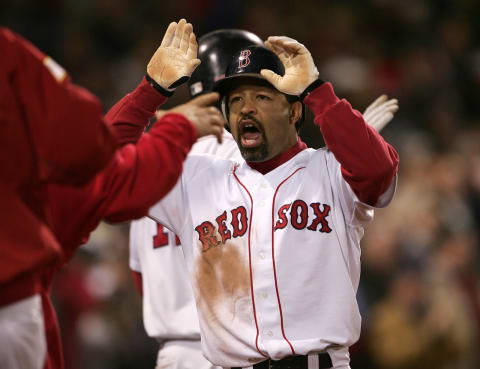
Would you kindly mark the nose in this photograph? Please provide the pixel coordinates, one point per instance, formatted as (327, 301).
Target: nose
(248, 107)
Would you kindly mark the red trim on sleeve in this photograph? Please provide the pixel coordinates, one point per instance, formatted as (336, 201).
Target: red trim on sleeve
(138, 281)
(369, 164)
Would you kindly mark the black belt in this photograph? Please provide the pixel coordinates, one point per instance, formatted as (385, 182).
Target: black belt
(294, 362)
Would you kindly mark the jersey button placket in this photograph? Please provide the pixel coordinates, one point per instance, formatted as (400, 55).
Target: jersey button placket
(264, 283)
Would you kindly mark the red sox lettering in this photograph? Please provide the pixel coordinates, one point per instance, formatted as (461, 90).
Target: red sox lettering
(298, 218)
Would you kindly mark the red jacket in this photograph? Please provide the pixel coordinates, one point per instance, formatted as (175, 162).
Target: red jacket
(51, 131)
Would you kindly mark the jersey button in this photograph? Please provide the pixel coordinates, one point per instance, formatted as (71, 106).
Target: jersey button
(265, 295)
(262, 255)
(270, 333)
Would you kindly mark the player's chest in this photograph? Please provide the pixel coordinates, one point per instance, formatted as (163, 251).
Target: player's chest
(255, 207)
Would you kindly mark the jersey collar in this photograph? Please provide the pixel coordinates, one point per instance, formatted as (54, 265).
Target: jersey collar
(266, 166)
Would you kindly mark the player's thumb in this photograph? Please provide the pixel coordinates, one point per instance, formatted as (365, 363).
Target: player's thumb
(271, 77)
(206, 99)
(193, 64)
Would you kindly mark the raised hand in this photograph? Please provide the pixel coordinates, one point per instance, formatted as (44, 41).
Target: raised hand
(379, 113)
(300, 70)
(175, 60)
(206, 118)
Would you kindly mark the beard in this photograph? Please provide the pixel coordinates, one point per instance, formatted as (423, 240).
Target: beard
(254, 154)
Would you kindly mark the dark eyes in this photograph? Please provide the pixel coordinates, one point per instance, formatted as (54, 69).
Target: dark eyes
(260, 97)
(235, 99)
(263, 97)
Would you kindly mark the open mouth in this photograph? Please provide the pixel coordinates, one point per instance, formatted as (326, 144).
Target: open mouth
(251, 134)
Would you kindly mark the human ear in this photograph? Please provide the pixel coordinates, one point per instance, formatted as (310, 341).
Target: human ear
(295, 111)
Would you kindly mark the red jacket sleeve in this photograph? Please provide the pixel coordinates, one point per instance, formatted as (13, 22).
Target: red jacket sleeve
(129, 117)
(60, 125)
(138, 177)
(369, 164)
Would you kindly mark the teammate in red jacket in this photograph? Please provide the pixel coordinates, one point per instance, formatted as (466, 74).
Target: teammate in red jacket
(51, 132)
(136, 177)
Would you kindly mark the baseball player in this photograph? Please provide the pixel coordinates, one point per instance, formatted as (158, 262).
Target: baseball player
(135, 178)
(274, 257)
(155, 256)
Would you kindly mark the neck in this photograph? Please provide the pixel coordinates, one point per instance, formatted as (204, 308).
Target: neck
(268, 165)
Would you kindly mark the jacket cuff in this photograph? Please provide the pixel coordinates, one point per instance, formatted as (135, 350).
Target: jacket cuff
(321, 99)
(147, 97)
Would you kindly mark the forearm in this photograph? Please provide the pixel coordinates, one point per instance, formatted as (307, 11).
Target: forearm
(137, 178)
(368, 163)
(129, 117)
(143, 173)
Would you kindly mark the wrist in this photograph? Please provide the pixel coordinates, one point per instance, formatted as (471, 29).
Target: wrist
(156, 86)
(312, 86)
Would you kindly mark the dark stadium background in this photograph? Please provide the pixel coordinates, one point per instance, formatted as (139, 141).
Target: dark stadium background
(420, 287)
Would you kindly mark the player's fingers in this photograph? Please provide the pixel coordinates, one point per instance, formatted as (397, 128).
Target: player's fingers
(280, 52)
(177, 38)
(271, 77)
(192, 47)
(384, 108)
(382, 123)
(391, 105)
(214, 115)
(295, 47)
(373, 116)
(280, 39)
(205, 99)
(169, 34)
(379, 100)
(217, 130)
(185, 42)
(213, 110)
(288, 44)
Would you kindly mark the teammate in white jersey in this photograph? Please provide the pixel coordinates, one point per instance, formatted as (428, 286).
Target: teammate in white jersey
(273, 244)
(155, 256)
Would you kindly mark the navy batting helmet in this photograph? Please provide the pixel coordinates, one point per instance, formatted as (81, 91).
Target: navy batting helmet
(247, 64)
(215, 50)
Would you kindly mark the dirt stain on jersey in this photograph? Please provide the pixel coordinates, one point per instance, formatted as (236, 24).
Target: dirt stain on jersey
(222, 277)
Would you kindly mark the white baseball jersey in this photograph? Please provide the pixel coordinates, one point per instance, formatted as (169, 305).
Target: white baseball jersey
(169, 311)
(274, 258)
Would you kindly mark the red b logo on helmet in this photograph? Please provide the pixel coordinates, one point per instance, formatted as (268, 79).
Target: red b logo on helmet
(244, 59)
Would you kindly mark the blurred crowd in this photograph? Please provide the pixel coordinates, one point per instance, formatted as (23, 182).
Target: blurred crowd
(420, 287)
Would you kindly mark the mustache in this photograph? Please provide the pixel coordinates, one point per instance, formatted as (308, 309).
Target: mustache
(251, 117)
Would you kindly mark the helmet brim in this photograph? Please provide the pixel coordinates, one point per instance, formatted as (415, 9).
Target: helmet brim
(227, 84)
